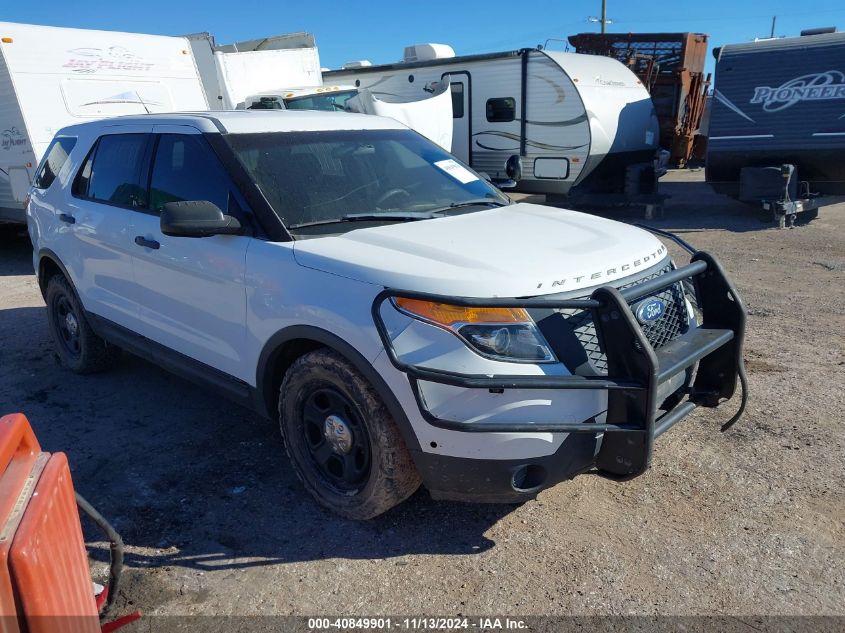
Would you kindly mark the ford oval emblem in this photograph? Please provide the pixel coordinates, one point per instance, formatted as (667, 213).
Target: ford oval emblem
(650, 310)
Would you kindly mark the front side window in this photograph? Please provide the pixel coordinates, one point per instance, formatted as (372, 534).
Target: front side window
(54, 158)
(501, 110)
(112, 172)
(185, 168)
(343, 176)
(329, 101)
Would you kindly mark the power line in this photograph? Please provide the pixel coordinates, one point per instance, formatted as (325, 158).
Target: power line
(733, 18)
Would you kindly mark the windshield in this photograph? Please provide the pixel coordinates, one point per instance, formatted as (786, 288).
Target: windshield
(328, 177)
(331, 101)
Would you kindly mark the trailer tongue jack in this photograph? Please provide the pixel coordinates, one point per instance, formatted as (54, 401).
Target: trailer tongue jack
(785, 209)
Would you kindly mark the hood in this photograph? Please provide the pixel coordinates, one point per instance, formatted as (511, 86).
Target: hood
(515, 251)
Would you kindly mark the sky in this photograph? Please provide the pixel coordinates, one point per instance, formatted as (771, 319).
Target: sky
(379, 30)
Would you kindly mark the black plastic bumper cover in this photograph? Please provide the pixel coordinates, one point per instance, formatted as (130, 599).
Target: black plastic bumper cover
(635, 369)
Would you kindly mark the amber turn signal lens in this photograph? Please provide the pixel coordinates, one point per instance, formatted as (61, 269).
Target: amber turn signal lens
(448, 315)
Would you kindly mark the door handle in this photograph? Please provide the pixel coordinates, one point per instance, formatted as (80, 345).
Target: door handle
(140, 240)
(66, 217)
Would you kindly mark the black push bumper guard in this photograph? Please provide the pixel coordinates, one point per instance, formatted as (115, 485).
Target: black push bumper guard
(635, 369)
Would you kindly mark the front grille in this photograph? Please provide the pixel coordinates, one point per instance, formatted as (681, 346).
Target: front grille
(673, 323)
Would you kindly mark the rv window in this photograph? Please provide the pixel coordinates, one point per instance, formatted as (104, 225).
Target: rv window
(458, 101)
(114, 176)
(501, 110)
(54, 159)
(186, 169)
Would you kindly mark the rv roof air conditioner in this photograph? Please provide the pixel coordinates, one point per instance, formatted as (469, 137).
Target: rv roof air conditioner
(360, 63)
(427, 52)
(823, 30)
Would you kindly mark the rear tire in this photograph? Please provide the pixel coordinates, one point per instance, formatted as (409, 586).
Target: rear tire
(343, 443)
(77, 347)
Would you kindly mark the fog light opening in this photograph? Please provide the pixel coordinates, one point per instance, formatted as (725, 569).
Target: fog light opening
(528, 478)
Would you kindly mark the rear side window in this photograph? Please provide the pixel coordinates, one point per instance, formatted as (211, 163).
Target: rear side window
(185, 168)
(112, 172)
(54, 158)
(501, 110)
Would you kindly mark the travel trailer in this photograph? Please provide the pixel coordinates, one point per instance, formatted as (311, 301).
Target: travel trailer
(777, 131)
(54, 77)
(577, 124)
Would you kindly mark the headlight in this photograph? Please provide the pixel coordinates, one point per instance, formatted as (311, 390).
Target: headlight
(507, 334)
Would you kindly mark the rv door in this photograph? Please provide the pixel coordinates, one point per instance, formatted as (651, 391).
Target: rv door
(461, 114)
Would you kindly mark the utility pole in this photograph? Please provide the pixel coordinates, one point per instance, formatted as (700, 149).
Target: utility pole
(774, 19)
(604, 17)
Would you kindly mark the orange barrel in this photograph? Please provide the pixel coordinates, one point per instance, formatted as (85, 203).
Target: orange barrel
(45, 584)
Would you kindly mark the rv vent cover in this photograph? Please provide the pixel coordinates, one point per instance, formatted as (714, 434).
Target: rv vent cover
(819, 31)
(427, 52)
(360, 63)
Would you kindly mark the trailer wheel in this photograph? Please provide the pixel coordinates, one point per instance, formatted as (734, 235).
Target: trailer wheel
(77, 346)
(343, 443)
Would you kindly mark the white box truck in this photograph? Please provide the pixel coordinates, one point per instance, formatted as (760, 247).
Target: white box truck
(53, 77)
(282, 72)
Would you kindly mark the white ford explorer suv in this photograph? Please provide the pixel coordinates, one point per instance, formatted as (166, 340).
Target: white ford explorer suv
(403, 320)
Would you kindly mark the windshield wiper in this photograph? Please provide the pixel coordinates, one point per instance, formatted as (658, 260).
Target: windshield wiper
(476, 202)
(403, 216)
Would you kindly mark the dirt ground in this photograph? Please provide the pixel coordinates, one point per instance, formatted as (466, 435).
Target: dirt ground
(744, 522)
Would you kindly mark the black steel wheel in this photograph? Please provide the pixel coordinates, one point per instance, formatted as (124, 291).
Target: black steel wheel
(67, 324)
(336, 438)
(341, 439)
(76, 344)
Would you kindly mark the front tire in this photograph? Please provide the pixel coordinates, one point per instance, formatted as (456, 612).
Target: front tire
(343, 443)
(77, 347)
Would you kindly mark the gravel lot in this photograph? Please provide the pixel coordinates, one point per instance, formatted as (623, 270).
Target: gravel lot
(746, 522)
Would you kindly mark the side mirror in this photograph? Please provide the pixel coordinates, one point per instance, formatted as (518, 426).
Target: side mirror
(196, 218)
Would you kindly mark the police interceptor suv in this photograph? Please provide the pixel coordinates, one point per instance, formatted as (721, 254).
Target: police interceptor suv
(400, 317)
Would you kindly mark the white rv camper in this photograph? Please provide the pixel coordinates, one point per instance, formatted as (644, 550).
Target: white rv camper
(580, 124)
(53, 77)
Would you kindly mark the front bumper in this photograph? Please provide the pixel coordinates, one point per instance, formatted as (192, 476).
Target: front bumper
(636, 371)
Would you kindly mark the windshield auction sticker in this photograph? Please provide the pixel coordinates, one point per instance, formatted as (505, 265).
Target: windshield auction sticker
(456, 171)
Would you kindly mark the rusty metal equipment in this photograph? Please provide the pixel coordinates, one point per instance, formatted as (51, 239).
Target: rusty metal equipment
(671, 67)
(45, 585)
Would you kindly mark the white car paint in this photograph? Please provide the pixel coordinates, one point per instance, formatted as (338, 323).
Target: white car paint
(514, 251)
